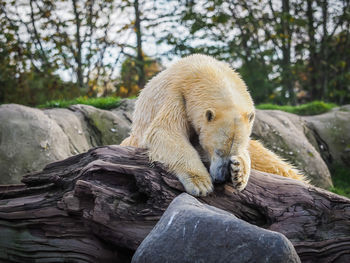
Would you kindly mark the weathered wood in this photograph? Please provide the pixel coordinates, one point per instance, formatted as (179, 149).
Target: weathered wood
(98, 207)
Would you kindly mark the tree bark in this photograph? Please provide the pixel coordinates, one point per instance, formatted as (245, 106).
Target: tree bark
(77, 54)
(98, 207)
(287, 76)
(313, 68)
(324, 50)
(140, 62)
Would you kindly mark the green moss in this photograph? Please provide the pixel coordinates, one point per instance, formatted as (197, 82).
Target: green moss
(341, 180)
(312, 108)
(101, 103)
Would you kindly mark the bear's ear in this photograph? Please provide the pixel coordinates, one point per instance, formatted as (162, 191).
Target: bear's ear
(209, 114)
(251, 116)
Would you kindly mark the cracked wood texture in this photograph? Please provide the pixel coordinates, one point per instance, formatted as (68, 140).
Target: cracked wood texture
(98, 207)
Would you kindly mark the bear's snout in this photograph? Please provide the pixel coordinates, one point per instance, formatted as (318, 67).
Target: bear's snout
(220, 170)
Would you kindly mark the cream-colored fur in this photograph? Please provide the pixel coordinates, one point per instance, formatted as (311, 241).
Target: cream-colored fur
(201, 97)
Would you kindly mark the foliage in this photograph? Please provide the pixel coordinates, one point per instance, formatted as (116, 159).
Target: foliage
(129, 77)
(341, 182)
(38, 45)
(101, 103)
(24, 83)
(80, 40)
(260, 87)
(311, 108)
(288, 51)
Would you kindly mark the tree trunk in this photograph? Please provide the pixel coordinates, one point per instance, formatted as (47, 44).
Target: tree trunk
(287, 77)
(77, 55)
(140, 63)
(324, 50)
(315, 93)
(37, 38)
(98, 207)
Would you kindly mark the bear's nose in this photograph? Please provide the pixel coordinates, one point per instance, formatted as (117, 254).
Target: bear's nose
(220, 180)
(223, 174)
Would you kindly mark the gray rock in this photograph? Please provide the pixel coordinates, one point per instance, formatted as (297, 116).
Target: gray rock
(342, 108)
(29, 140)
(332, 133)
(65, 132)
(106, 126)
(74, 127)
(286, 135)
(125, 110)
(190, 231)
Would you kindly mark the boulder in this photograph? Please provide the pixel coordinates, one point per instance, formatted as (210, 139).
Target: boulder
(29, 140)
(304, 141)
(190, 231)
(125, 110)
(286, 135)
(342, 108)
(106, 126)
(332, 133)
(75, 129)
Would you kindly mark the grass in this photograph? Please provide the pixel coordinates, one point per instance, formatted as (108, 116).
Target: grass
(341, 181)
(311, 108)
(101, 103)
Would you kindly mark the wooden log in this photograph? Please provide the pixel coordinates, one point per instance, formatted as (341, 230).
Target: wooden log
(99, 206)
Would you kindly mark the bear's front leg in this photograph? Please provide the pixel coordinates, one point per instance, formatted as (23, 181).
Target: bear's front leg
(240, 170)
(169, 145)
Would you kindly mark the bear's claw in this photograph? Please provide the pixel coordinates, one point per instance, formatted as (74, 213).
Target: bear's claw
(198, 186)
(238, 173)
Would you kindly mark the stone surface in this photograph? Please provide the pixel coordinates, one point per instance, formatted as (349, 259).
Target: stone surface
(190, 231)
(285, 134)
(125, 110)
(32, 138)
(73, 127)
(300, 140)
(106, 126)
(342, 108)
(29, 140)
(332, 133)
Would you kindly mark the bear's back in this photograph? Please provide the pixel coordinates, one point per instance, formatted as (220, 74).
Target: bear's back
(196, 78)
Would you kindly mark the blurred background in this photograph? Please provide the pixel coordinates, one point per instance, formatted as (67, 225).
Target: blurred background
(287, 51)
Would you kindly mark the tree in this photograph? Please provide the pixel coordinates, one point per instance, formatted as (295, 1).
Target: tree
(144, 18)
(26, 69)
(140, 58)
(83, 39)
(129, 75)
(279, 46)
(232, 31)
(77, 43)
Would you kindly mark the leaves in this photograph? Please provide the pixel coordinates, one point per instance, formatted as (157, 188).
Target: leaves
(281, 48)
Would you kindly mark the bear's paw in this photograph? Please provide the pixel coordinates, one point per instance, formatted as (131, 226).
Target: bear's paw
(197, 185)
(240, 171)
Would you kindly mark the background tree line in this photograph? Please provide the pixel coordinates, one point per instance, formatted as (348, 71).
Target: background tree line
(287, 51)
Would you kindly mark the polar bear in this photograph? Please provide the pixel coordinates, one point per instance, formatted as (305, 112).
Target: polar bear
(199, 111)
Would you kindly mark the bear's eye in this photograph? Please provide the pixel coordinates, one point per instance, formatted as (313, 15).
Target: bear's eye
(251, 117)
(209, 115)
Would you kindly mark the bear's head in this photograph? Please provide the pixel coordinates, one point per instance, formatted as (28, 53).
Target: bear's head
(221, 111)
(224, 133)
